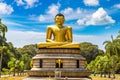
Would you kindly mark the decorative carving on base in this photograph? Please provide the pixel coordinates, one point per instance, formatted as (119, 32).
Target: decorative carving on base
(58, 50)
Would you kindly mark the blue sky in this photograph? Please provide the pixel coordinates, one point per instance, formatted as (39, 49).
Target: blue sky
(92, 20)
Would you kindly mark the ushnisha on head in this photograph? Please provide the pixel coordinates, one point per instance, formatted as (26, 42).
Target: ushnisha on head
(59, 14)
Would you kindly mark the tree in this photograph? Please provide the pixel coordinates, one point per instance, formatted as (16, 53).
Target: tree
(90, 51)
(15, 66)
(107, 65)
(109, 61)
(113, 49)
(26, 60)
(27, 52)
(28, 49)
(101, 64)
(3, 30)
(91, 66)
(12, 65)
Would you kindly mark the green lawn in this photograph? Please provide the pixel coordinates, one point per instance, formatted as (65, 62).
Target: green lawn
(99, 78)
(13, 78)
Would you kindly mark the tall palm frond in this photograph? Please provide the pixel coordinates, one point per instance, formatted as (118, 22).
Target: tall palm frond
(3, 30)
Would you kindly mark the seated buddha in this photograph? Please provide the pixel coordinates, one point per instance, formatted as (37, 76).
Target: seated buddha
(58, 36)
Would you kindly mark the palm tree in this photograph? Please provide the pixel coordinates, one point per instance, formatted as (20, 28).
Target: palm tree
(91, 66)
(118, 42)
(112, 49)
(100, 64)
(12, 65)
(118, 37)
(3, 30)
(107, 65)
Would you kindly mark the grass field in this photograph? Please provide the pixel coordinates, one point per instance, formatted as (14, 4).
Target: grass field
(93, 78)
(99, 78)
(13, 78)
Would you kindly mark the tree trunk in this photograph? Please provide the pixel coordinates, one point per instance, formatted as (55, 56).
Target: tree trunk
(100, 74)
(113, 68)
(105, 74)
(14, 72)
(94, 74)
(113, 73)
(1, 64)
(109, 75)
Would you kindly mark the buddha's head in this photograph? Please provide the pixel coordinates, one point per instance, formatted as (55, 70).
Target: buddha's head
(59, 19)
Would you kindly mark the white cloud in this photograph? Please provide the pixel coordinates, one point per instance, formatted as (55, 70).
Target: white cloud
(50, 14)
(91, 2)
(45, 18)
(19, 2)
(41, 18)
(30, 3)
(10, 23)
(71, 14)
(53, 9)
(32, 17)
(27, 3)
(67, 10)
(117, 6)
(81, 21)
(5, 9)
(20, 38)
(100, 17)
(96, 40)
(78, 11)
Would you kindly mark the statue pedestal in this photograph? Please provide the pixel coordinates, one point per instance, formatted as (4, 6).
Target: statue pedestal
(69, 62)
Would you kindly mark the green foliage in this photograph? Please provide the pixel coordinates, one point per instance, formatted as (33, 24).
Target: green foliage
(109, 62)
(100, 65)
(6, 71)
(27, 52)
(21, 57)
(28, 49)
(3, 30)
(26, 60)
(15, 65)
(6, 54)
(90, 51)
(113, 47)
(12, 65)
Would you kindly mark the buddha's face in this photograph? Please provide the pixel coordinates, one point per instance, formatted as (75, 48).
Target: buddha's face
(59, 20)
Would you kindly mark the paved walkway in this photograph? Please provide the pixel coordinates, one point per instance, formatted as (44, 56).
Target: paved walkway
(47, 78)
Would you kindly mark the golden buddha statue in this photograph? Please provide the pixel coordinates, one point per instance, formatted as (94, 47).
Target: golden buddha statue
(62, 35)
